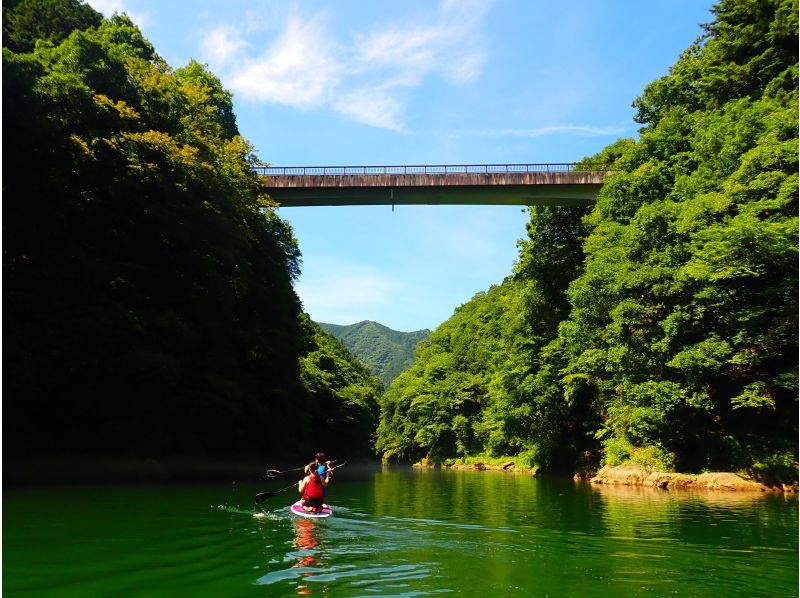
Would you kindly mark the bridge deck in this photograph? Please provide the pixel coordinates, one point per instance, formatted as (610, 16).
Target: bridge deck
(295, 187)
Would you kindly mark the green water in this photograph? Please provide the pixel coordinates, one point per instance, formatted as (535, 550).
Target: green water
(399, 533)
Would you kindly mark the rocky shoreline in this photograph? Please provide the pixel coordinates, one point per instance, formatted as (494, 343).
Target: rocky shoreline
(636, 475)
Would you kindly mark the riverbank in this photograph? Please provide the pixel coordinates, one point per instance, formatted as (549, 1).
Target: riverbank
(507, 465)
(634, 475)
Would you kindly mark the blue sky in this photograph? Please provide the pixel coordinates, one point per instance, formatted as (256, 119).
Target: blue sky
(419, 82)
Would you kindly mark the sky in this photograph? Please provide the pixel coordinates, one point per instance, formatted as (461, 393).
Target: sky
(359, 82)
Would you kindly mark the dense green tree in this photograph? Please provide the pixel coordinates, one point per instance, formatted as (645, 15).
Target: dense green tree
(26, 21)
(685, 321)
(660, 328)
(343, 406)
(474, 388)
(148, 299)
(432, 409)
(384, 351)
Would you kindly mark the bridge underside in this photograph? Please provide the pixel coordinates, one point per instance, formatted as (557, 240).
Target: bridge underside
(512, 195)
(572, 188)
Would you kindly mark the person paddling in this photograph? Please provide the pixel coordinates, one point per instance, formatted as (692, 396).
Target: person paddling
(323, 468)
(312, 487)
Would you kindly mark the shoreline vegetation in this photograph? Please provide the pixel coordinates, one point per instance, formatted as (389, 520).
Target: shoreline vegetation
(657, 326)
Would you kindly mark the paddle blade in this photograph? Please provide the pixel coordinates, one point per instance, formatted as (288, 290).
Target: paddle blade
(264, 496)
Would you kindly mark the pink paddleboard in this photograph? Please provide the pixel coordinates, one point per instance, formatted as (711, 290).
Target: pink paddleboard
(297, 509)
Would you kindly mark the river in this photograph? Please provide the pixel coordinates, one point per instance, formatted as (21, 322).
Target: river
(399, 532)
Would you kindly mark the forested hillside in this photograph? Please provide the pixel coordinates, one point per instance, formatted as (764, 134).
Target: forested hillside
(661, 326)
(147, 281)
(384, 351)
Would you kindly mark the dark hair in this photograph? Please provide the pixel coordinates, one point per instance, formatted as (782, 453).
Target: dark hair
(312, 468)
(320, 457)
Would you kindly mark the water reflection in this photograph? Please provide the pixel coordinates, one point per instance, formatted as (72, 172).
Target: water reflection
(489, 500)
(625, 539)
(305, 540)
(423, 532)
(735, 520)
(658, 495)
(403, 533)
(308, 553)
(304, 563)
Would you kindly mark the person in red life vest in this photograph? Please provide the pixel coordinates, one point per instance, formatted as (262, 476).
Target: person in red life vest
(323, 468)
(312, 487)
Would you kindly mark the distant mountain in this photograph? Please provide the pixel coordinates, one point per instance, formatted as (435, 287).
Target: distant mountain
(384, 351)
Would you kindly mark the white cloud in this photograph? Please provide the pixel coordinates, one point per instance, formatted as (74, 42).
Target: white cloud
(336, 294)
(305, 67)
(298, 69)
(109, 7)
(221, 44)
(580, 130)
(447, 46)
(468, 67)
(371, 106)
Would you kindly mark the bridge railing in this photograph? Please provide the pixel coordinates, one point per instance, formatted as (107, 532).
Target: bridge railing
(425, 169)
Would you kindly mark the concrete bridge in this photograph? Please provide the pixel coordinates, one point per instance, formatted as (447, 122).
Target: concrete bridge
(484, 184)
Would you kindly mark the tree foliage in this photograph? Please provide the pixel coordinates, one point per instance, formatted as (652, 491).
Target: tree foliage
(661, 327)
(148, 299)
(386, 352)
(26, 21)
(343, 393)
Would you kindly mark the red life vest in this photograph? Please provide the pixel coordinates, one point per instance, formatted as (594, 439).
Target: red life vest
(313, 489)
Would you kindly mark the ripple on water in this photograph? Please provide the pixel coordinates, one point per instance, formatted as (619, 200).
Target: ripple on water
(400, 535)
(359, 576)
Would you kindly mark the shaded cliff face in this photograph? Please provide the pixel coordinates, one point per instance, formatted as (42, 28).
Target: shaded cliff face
(386, 352)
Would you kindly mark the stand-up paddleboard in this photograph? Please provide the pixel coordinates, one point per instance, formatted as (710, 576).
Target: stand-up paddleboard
(297, 509)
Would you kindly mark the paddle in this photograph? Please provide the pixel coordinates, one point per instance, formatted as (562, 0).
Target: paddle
(261, 497)
(265, 495)
(271, 473)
